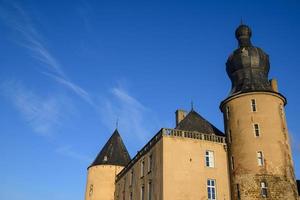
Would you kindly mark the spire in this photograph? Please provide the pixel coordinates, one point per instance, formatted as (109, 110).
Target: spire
(192, 105)
(114, 152)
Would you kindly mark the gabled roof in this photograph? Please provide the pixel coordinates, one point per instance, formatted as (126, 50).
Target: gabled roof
(114, 152)
(195, 122)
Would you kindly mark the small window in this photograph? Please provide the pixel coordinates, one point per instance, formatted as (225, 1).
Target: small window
(150, 190)
(209, 159)
(238, 191)
(130, 196)
(256, 130)
(260, 158)
(105, 159)
(227, 112)
(253, 105)
(142, 193)
(264, 189)
(91, 190)
(149, 163)
(211, 189)
(229, 136)
(232, 162)
(142, 168)
(131, 178)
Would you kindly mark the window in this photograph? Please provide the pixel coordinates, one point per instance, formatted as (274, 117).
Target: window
(229, 136)
(150, 190)
(256, 130)
(211, 189)
(130, 196)
(142, 192)
(131, 178)
(238, 191)
(232, 162)
(253, 105)
(149, 163)
(105, 159)
(142, 168)
(209, 159)
(227, 112)
(264, 189)
(91, 190)
(260, 158)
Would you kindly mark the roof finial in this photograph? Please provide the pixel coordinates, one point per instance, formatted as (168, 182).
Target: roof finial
(117, 123)
(241, 21)
(192, 105)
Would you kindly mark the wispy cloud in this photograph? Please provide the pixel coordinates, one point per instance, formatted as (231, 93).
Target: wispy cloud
(19, 20)
(135, 120)
(68, 151)
(42, 114)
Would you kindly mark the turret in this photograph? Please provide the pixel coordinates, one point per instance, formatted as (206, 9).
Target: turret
(261, 165)
(102, 172)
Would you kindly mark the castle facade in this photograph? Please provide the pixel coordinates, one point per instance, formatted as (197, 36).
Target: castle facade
(252, 160)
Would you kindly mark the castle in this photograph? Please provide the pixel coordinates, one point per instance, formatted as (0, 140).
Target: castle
(195, 160)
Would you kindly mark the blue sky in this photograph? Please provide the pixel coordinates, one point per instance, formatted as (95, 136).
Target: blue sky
(69, 69)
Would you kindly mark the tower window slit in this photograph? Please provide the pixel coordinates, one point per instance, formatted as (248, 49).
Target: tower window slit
(238, 192)
(253, 105)
(256, 130)
(227, 112)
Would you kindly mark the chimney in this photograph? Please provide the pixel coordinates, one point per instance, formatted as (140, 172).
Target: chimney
(180, 115)
(274, 85)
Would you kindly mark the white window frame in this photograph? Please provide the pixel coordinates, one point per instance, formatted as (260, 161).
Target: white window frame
(211, 189)
(256, 130)
(264, 189)
(253, 105)
(209, 159)
(260, 158)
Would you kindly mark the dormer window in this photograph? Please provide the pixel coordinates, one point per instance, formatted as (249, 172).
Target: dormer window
(105, 159)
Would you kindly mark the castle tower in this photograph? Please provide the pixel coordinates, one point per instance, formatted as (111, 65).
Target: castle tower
(260, 158)
(102, 172)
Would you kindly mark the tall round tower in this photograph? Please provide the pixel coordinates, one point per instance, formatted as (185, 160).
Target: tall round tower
(102, 172)
(261, 164)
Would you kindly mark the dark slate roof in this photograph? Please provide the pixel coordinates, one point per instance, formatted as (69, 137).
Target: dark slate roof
(195, 122)
(114, 152)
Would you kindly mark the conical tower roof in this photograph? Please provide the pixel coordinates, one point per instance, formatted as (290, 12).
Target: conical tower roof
(195, 122)
(114, 152)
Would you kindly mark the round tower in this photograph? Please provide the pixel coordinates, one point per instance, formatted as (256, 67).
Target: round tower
(102, 172)
(261, 164)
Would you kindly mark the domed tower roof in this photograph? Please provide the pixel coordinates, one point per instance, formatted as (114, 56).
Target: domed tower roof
(114, 152)
(248, 66)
